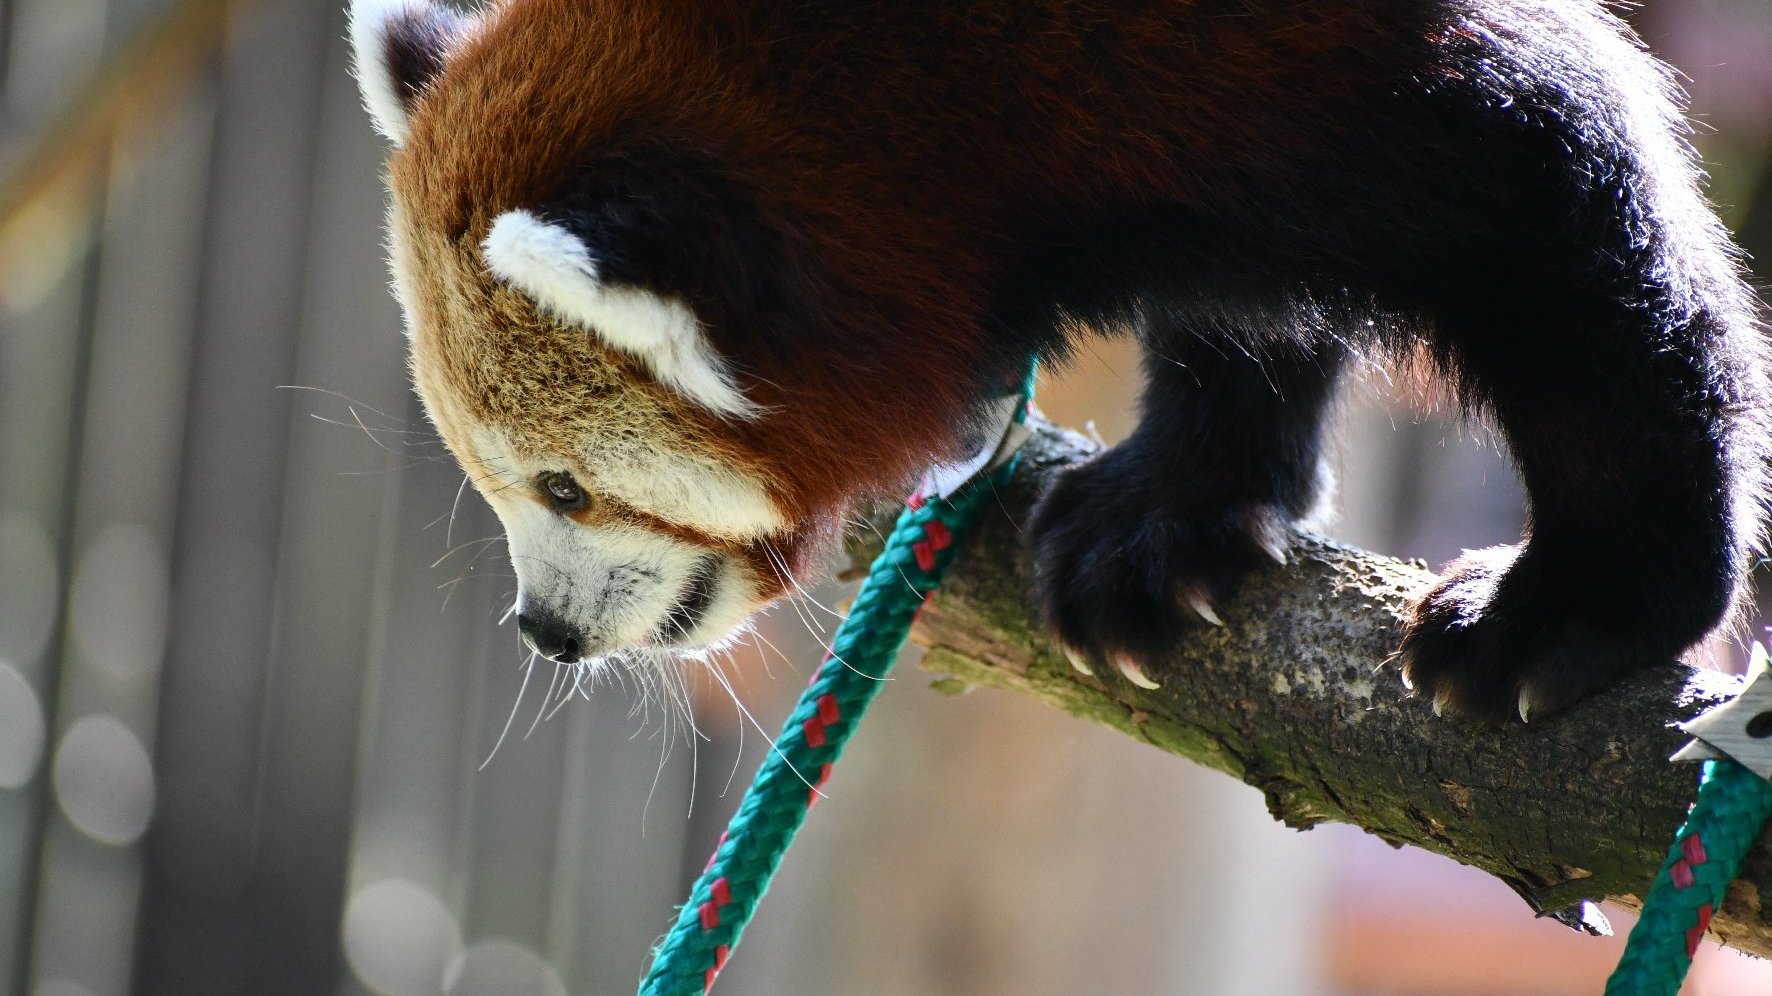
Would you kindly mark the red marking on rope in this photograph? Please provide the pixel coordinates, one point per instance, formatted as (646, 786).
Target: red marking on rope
(719, 895)
(708, 977)
(814, 726)
(815, 793)
(1696, 933)
(936, 538)
(925, 555)
(938, 533)
(915, 501)
(1693, 848)
(716, 855)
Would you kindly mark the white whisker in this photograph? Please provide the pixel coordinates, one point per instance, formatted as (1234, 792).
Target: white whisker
(720, 676)
(454, 506)
(812, 628)
(785, 659)
(527, 671)
(786, 573)
(552, 682)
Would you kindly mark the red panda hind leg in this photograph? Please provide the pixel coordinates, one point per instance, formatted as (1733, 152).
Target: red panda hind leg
(1644, 473)
(1529, 214)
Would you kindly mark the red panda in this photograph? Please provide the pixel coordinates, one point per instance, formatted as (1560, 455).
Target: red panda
(686, 278)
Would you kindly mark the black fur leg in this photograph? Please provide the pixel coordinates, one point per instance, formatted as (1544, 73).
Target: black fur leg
(1637, 519)
(1624, 366)
(1144, 541)
(1583, 295)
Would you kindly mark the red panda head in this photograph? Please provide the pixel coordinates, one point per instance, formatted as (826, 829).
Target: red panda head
(663, 331)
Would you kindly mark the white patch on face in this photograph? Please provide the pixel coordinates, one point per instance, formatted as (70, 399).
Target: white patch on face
(556, 268)
(688, 491)
(616, 587)
(681, 488)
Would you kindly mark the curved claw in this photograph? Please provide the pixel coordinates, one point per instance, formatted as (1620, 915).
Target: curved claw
(1132, 671)
(1275, 548)
(1077, 662)
(1201, 607)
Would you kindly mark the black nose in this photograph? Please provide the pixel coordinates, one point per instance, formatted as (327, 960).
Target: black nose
(550, 637)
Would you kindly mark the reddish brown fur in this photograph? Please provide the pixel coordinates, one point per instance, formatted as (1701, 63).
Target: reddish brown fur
(910, 228)
(876, 210)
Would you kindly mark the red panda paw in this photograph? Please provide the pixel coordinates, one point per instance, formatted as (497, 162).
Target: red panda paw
(1498, 640)
(1120, 582)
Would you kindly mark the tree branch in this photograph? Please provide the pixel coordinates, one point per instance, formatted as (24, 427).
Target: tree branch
(1294, 696)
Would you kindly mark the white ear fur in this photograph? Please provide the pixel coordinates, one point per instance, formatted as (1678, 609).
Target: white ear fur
(555, 267)
(385, 91)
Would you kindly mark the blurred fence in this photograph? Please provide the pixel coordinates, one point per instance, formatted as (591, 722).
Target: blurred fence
(235, 717)
(244, 712)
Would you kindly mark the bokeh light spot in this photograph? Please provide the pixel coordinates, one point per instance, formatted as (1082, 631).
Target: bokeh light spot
(104, 780)
(399, 938)
(501, 968)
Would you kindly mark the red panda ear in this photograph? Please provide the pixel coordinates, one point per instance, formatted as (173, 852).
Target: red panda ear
(399, 46)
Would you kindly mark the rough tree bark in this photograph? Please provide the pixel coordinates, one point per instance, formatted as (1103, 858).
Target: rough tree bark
(1294, 696)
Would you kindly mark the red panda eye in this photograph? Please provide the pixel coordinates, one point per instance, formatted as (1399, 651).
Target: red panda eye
(562, 492)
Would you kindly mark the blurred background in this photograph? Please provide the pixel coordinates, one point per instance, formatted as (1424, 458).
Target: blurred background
(261, 733)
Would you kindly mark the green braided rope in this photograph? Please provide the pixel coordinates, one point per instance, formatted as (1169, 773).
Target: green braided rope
(902, 578)
(1733, 804)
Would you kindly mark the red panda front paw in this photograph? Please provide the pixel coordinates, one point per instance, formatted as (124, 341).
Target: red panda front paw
(1497, 639)
(1120, 582)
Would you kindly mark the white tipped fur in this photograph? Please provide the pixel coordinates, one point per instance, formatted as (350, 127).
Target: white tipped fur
(556, 268)
(369, 58)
